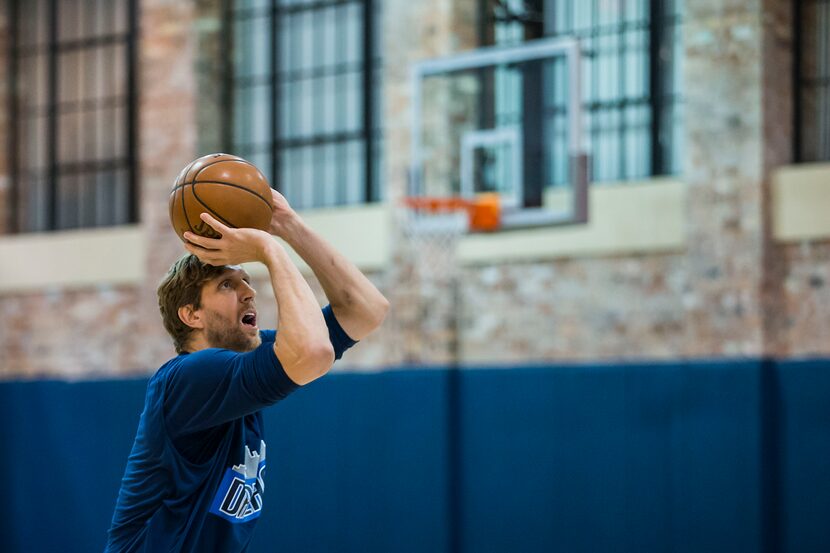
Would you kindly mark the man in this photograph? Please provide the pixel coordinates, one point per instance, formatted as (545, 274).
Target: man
(195, 477)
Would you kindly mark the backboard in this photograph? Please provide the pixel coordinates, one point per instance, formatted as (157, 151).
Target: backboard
(504, 120)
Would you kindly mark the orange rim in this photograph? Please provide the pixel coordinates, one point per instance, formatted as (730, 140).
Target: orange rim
(483, 211)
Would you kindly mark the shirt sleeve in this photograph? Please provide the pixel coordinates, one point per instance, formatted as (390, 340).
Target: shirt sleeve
(214, 386)
(338, 337)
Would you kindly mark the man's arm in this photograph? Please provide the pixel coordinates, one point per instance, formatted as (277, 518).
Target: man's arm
(358, 306)
(302, 345)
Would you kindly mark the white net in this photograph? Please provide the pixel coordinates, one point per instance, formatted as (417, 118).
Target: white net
(431, 279)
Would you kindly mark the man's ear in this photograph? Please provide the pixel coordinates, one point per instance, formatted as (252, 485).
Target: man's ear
(191, 317)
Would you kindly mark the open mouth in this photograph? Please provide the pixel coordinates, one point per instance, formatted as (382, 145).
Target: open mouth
(249, 319)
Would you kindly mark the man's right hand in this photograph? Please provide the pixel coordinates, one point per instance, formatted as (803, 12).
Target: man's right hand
(236, 246)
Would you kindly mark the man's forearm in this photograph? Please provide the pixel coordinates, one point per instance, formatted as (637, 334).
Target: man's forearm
(301, 324)
(353, 297)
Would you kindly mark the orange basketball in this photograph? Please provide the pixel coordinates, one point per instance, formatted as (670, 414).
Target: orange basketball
(230, 188)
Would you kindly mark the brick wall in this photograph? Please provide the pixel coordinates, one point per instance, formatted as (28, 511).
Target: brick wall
(803, 323)
(4, 119)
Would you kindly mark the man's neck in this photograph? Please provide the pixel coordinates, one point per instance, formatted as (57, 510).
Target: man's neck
(196, 343)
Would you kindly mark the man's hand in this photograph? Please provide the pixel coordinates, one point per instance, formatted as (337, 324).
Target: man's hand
(282, 215)
(237, 245)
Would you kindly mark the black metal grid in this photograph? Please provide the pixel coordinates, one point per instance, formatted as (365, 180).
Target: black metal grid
(72, 113)
(631, 78)
(811, 65)
(302, 96)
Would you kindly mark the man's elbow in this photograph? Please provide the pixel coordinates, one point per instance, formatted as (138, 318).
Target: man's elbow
(379, 311)
(315, 362)
(323, 357)
(320, 358)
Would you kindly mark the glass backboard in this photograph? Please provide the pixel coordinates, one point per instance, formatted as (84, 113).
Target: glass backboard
(505, 120)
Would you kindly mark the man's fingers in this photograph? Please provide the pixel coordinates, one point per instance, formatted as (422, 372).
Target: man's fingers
(205, 255)
(203, 241)
(216, 225)
(192, 244)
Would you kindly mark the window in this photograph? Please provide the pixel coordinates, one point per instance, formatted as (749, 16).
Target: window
(303, 94)
(812, 76)
(72, 113)
(631, 77)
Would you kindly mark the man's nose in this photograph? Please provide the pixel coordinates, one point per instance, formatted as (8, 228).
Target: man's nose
(248, 292)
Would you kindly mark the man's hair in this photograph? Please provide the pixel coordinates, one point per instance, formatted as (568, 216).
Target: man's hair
(182, 285)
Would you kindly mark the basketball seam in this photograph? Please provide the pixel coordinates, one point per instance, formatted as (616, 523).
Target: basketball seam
(172, 204)
(202, 168)
(193, 189)
(184, 210)
(184, 173)
(194, 183)
(198, 199)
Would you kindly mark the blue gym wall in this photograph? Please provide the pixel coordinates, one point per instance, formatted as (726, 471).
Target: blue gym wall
(686, 457)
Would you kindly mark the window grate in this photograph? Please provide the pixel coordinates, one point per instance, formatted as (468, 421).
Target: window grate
(631, 81)
(302, 94)
(73, 114)
(811, 67)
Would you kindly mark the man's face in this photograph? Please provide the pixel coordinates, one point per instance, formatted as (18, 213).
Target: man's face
(229, 313)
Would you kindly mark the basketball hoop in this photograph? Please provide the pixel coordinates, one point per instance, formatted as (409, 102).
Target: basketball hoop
(483, 211)
(431, 270)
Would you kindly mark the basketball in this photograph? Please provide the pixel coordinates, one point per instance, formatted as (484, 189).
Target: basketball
(228, 187)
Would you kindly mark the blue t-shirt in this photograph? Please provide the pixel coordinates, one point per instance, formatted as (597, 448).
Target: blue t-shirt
(195, 477)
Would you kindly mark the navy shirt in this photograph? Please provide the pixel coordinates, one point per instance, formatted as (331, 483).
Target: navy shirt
(195, 477)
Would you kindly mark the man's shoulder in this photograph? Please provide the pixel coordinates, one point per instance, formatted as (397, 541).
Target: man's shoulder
(171, 366)
(180, 369)
(203, 361)
(163, 372)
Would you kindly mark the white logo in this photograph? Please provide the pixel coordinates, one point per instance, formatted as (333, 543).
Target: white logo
(239, 497)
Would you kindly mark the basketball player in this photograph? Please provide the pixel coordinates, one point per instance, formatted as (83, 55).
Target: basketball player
(195, 480)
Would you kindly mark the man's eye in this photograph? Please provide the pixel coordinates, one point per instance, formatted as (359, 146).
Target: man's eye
(226, 284)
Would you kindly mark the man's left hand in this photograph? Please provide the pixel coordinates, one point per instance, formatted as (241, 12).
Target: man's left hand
(282, 215)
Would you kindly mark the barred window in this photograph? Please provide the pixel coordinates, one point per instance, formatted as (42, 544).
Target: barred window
(631, 80)
(72, 113)
(812, 77)
(303, 93)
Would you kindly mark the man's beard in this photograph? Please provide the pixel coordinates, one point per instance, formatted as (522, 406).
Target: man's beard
(225, 334)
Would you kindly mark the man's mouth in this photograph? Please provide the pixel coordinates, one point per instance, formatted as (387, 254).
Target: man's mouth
(249, 319)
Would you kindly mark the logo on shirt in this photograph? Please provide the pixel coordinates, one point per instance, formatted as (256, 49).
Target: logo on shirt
(239, 497)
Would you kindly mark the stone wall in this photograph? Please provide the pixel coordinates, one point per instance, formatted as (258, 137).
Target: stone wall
(586, 309)
(802, 319)
(724, 168)
(73, 334)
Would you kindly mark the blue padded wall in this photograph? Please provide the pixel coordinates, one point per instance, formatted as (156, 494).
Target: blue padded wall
(803, 442)
(64, 448)
(585, 459)
(358, 463)
(681, 457)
